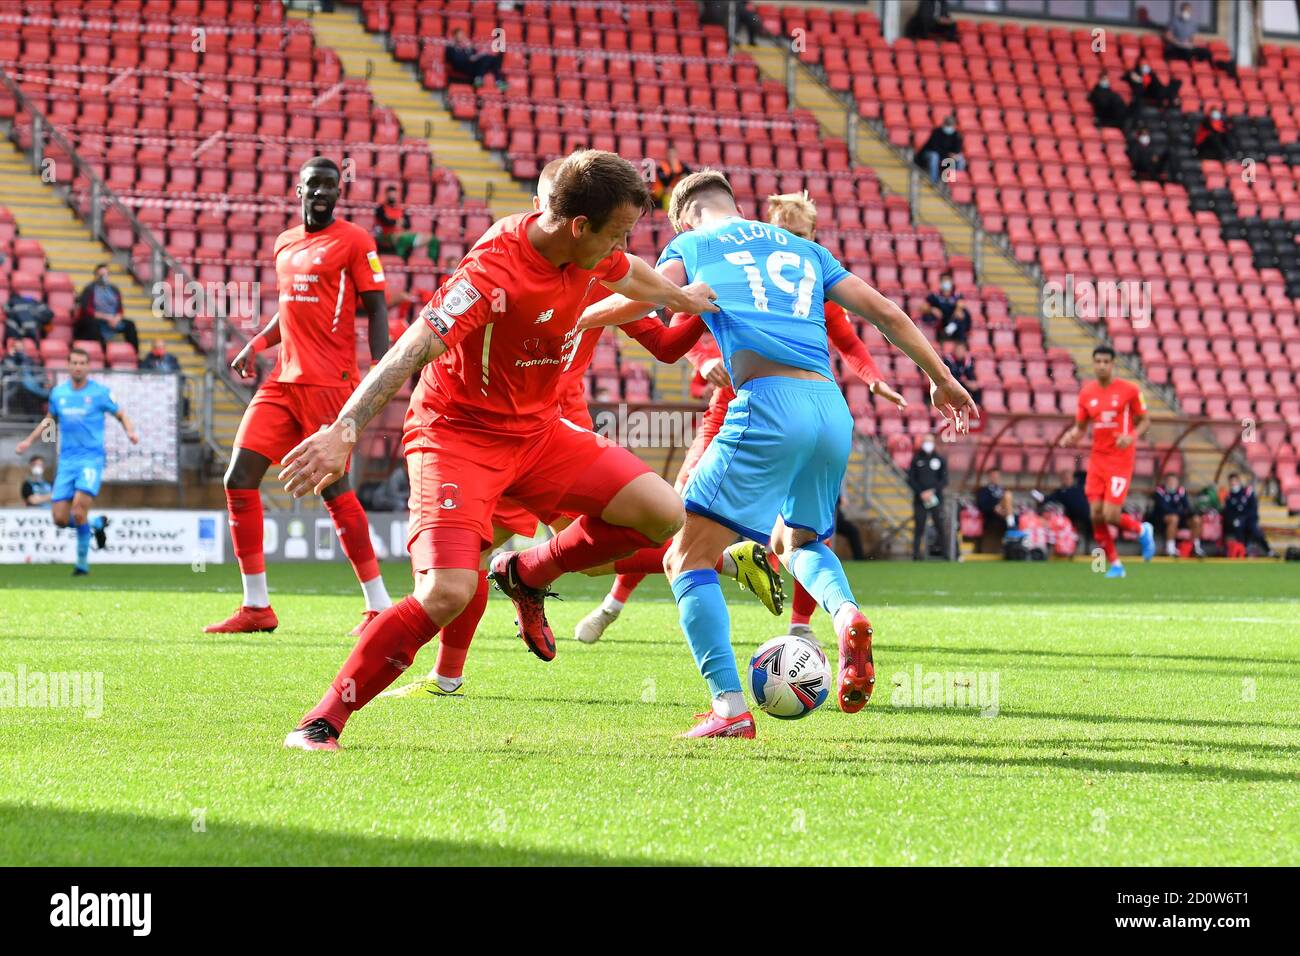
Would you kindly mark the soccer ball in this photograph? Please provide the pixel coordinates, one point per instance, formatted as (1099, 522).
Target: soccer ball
(790, 676)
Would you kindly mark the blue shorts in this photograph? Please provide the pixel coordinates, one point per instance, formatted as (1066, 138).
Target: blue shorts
(782, 450)
(74, 476)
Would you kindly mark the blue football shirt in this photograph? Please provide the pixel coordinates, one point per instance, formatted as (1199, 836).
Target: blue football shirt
(771, 287)
(80, 414)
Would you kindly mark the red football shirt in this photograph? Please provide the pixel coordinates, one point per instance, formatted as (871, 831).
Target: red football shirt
(509, 320)
(320, 275)
(573, 397)
(1113, 411)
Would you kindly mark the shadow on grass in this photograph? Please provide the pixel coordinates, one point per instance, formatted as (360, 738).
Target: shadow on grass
(43, 836)
(1015, 713)
(888, 647)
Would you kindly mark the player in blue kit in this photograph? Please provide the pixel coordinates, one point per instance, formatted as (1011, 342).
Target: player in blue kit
(78, 407)
(774, 471)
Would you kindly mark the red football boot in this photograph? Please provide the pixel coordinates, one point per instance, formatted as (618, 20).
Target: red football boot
(857, 669)
(246, 621)
(711, 725)
(366, 618)
(529, 602)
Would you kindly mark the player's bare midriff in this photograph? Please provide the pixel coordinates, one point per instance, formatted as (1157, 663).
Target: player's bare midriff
(747, 364)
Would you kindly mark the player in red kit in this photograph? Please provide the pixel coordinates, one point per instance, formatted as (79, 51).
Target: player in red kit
(485, 422)
(322, 268)
(1118, 415)
(511, 518)
(797, 213)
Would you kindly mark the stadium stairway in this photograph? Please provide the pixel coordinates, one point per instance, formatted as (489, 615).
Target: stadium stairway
(42, 215)
(934, 209)
(393, 85)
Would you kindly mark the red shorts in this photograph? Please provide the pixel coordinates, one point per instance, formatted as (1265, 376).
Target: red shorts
(514, 517)
(282, 414)
(709, 425)
(579, 415)
(459, 475)
(1109, 480)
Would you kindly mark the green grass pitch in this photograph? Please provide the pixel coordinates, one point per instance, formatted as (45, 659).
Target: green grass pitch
(1152, 720)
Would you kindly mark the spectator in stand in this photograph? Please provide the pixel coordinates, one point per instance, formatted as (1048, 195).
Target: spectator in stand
(942, 151)
(36, 489)
(1108, 106)
(1147, 88)
(944, 308)
(716, 12)
(927, 476)
(1180, 41)
(25, 392)
(668, 173)
(932, 20)
(1180, 37)
(27, 317)
(995, 503)
(1072, 498)
(1241, 515)
(464, 58)
(962, 367)
(1214, 137)
(159, 359)
(392, 234)
(1147, 162)
(1172, 509)
(99, 312)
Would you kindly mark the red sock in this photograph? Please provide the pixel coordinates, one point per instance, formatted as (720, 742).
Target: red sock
(624, 585)
(453, 642)
(586, 543)
(385, 650)
(1101, 531)
(354, 534)
(245, 508)
(646, 561)
(803, 606)
(1130, 524)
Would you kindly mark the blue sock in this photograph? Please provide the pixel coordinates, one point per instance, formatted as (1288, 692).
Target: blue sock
(97, 522)
(822, 576)
(707, 628)
(83, 546)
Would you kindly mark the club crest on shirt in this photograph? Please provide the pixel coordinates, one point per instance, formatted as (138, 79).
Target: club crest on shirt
(448, 496)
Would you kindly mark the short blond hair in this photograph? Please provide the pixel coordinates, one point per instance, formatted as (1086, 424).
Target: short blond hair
(701, 181)
(782, 205)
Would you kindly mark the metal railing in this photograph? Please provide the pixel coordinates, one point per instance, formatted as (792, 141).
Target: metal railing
(23, 393)
(161, 267)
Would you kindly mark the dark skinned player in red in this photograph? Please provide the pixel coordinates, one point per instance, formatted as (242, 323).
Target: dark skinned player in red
(1118, 415)
(322, 268)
